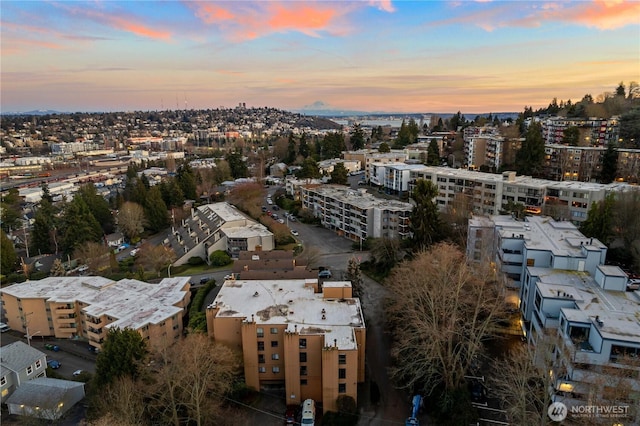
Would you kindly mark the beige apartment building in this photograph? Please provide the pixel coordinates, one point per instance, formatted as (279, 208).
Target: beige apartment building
(300, 334)
(87, 307)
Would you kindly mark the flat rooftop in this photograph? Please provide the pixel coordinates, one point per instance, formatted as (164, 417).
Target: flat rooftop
(294, 303)
(619, 311)
(133, 303)
(359, 198)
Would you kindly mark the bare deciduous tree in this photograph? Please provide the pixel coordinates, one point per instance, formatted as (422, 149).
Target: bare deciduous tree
(523, 384)
(94, 255)
(156, 258)
(131, 219)
(122, 402)
(193, 376)
(441, 310)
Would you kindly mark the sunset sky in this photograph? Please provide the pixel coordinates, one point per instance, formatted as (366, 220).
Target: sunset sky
(393, 56)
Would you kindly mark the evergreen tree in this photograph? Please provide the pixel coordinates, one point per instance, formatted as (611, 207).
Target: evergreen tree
(79, 225)
(599, 223)
(291, 150)
(155, 211)
(571, 136)
(10, 209)
(426, 226)
(384, 147)
(44, 226)
(309, 170)
(237, 165)
(98, 206)
(303, 148)
(187, 181)
(171, 193)
(333, 145)
(356, 138)
(609, 164)
(8, 257)
(433, 153)
(121, 356)
(530, 157)
(339, 175)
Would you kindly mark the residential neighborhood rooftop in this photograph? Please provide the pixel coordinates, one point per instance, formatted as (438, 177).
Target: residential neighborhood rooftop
(294, 303)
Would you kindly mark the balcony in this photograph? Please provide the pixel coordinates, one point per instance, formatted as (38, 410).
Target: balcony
(65, 310)
(95, 335)
(66, 320)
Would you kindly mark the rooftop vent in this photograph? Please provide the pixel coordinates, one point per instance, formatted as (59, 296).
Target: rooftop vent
(256, 294)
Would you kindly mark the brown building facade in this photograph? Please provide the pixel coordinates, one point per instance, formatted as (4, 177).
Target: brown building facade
(298, 334)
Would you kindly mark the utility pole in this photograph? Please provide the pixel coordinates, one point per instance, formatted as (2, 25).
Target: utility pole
(25, 321)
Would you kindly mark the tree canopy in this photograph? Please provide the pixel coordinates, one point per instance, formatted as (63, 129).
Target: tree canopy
(339, 175)
(530, 157)
(426, 226)
(122, 354)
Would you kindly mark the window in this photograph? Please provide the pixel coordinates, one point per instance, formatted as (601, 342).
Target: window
(303, 343)
(3, 381)
(262, 370)
(275, 369)
(274, 330)
(342, 359)
(38, 364)
(342, 388)
(29, 369)
(274, 343)
(303, 357)
(342, 373)
(260, 332)
(260, 358)
(261, 346)
(275, 356)
(303, 382)
(303, 370)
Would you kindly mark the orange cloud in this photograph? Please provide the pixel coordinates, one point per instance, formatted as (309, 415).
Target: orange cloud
(124, 23)
(601, 14)
(245, 21)
(210, 13)
(302, 18)
(605, 14)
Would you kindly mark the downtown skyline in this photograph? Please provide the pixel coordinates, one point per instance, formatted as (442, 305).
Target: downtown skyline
(403, 56)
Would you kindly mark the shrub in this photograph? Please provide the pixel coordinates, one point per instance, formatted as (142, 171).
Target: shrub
(220, 258)
(195, 261)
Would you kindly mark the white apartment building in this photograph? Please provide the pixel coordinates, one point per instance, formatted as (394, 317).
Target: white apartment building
(326, 166)
(357, 214)
(368, 158)
(566, 290)
(393, 177)
(488, 192)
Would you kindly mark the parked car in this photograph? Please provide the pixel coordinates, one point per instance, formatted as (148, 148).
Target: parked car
(324, 274)
(294, 232)
(133, 252)
(275, 207)
(51, 347)
(229, 277)
(291, 414)
(633, 284)
(264, 208)
(52, 363)
(4, 327)
(77, 373)
(204, 280)
(280, 220)
(292, 218)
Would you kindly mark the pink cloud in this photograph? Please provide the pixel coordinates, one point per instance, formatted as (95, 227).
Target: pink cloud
(601, 14)
(119, 21)
(245, 21)
(384, 5)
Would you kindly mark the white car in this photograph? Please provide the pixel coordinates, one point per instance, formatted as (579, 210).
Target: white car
(77, 373)
(269, 201)
(280, 220)
(133, 252)
(294, 232)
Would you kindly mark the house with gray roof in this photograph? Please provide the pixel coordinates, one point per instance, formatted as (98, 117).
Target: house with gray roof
(45, 398)
(19, 363)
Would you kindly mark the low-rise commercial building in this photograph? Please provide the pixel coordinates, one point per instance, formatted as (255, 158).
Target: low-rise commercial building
(304, 335)
(87, 307)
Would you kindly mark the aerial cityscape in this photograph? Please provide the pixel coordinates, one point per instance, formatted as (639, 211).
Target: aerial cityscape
(320, 213)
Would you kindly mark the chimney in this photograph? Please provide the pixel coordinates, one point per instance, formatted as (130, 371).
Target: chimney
(335, 343)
